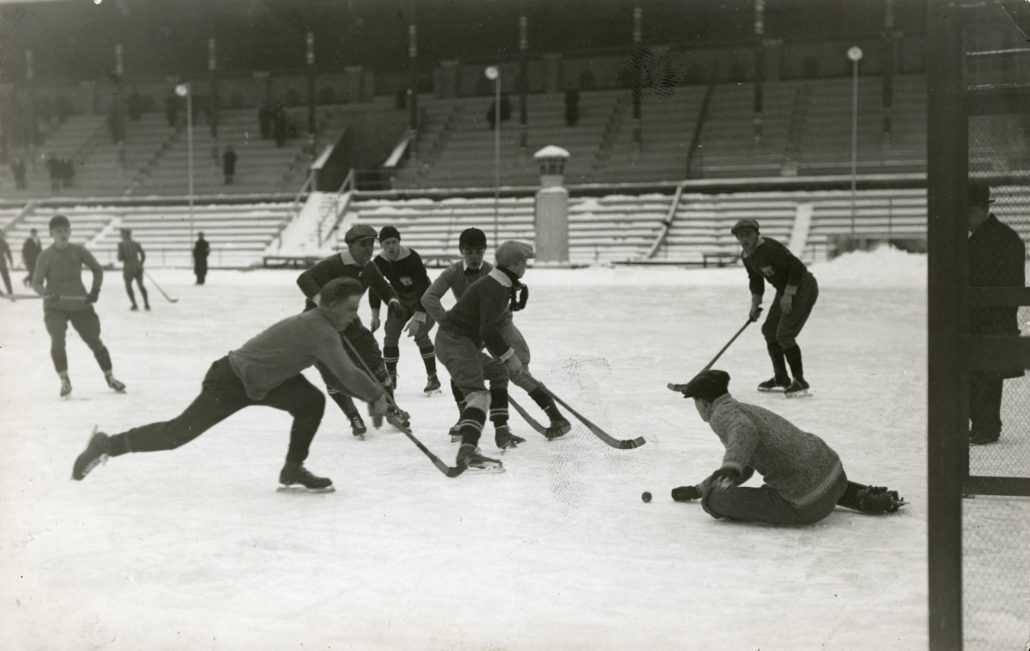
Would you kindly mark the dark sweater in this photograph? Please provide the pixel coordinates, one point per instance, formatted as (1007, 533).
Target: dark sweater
(773, 262)
(480, 310)
(339, 266)
(407, 275)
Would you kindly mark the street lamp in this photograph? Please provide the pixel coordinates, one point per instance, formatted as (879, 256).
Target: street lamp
(493, 73)
(184, 90)
(855, 54)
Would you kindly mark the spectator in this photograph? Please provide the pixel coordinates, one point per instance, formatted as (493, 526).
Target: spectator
(265, 121)
(135, 106)
(54, 172)
(279, 126)
(172, 110)
(200, 252)
(997, 258)
(505, 107)
(229, 164)
(571, 107)
(30, 251)
(18, 170)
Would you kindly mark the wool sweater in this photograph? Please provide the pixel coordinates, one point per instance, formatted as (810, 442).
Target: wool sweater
(457, 278)
(797, 464)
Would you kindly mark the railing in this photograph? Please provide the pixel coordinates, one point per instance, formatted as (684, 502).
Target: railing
(695, 138)
(347, 187)
(22, 214)
(670, 216)
(294, 209)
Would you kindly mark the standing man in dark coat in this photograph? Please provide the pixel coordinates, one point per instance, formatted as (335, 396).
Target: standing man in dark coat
(796, 292)
(997, 258)
(200, 252)
(229, 164)
(30, 251)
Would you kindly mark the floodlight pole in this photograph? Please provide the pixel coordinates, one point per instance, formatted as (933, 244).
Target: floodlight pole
(494, 73)
(185, 90)
(855, 54)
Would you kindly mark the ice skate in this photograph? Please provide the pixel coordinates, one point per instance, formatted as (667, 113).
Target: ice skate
(134, 308)
(505, 439)
(559, 427)
(774, 384)
(357, 427)
(877, 499)
(94, 454)
(470, 458)
(66, 387)
(432, 386)
(797, 389)
(295, 477)
(114, 383)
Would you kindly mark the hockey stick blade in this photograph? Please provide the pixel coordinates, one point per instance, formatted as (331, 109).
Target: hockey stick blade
(534, 423)
(620, 444)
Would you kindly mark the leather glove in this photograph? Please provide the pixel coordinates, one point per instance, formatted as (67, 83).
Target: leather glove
(377, 409)
(724, 478)
(686, 494)
(374, 325)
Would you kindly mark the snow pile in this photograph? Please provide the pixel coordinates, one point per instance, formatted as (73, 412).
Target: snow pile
(885, 266)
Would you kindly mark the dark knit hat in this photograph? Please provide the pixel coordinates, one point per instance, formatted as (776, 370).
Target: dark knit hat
(978, 194)
(388, 232)
(472, 238)
(707, 385)
(744, 224)
(338, 289)
(359, 232)
(59, 221)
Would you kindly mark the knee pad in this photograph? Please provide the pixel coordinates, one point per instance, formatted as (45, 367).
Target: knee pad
(478, 400)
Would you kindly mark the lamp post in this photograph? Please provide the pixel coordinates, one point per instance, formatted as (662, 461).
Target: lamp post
(493, 73)
(184, 90)
(855, 54)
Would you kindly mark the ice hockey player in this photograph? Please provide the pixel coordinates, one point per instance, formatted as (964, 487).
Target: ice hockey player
(132, 256)
(796, 292)
(356, 262)
(406, 273)
(458, 278)
(58, 279)
(265, 371)
(804, 477)
(469, 326)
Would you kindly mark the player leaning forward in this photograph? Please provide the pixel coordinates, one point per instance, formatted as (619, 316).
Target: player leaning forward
(265, 371)
(470, 325)
(803, 477)
(796, 292)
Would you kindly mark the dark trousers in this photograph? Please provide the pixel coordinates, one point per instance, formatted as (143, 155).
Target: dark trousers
(221, 396)
(86, 323)
(200, 271)
(765, 504)
(7, 279)
(985, 404)
(784, 328)
(137, 276)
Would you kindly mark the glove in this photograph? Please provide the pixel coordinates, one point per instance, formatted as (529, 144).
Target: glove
(755, 312)
(375, 323)
(93, 296)
(377, 409)
(413, 328)
(786, 303)
(686, 494)
(514, 365)
(396, 310)
(724, 478)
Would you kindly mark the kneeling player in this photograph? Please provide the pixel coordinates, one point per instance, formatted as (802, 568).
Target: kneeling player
(804, 478)
(264, 371)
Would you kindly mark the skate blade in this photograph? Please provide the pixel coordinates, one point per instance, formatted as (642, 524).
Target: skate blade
(430, 394)
(456, 439)
(303, 490)
(485, 470)
(776, 390)
(358, 436)
(804, 393)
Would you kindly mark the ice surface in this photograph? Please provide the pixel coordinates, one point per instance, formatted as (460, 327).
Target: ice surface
(194, 548)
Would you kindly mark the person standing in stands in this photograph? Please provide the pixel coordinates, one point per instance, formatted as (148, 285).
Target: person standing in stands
(766, 260)
(58, 279)
(132, 256)
(229, 164)
(403, 269)
(200, 252)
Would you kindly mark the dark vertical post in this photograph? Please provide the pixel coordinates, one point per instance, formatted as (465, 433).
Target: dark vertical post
(947, 171)
(523, 81)
(638, 64)
(309, 58)
(759, 67)
(413, 76)
(33, 128)
(212, 103)
(889, 56)
(118, 107)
